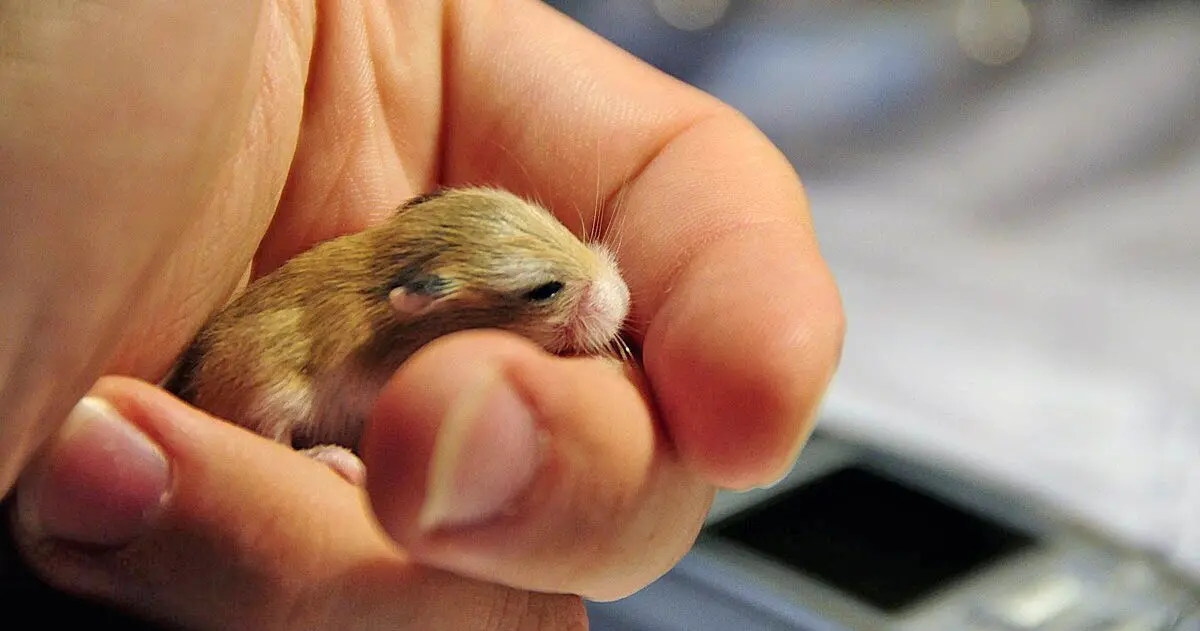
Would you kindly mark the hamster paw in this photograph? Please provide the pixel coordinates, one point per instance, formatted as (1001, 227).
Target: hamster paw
(341, 460)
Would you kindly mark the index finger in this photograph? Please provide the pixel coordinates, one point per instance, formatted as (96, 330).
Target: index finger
(739, 319)
(249, 535)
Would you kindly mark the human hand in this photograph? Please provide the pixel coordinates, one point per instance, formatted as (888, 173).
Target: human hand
(736, 314)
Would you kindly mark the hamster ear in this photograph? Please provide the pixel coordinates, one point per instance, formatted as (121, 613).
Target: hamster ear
(418, 295)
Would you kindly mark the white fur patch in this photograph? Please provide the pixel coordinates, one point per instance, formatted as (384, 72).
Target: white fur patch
(610, 292)
(282, 407)
(520, 272)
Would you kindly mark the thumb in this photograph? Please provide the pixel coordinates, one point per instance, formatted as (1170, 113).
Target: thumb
(149, 504)
(490, 458)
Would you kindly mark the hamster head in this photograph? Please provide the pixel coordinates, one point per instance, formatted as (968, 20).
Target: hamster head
(475, 258)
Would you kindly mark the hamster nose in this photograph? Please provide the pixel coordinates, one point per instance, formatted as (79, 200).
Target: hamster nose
(608, 298)
(601, 312)
(603, 306)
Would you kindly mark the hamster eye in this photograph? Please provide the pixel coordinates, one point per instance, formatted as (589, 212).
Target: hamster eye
(543, 292)
(427, 285)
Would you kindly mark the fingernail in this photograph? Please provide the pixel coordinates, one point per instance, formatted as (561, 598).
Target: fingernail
(101, 483)
(485, 454)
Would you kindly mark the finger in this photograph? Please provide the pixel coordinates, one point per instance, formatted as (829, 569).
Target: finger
(369, 137)
(487, 456)
(102, 163)
(145, 502)
(740, 320)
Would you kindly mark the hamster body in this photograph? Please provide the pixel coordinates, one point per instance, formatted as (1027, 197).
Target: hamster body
(301, 355)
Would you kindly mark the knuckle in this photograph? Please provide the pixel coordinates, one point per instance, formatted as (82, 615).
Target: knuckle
(525, 611)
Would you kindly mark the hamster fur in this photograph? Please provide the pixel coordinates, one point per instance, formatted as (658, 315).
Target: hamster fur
(302, 353)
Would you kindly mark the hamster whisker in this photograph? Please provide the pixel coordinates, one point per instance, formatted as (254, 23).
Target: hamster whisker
(597, 203)
(616, 220)
(604, 217)
(584, 229)
(624, 350)
(634, 322)
(535, 195)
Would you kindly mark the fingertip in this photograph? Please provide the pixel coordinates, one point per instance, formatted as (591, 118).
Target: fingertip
(235, 518)
(256, 536)
(740, 373)
(445, 425)
(563, 453)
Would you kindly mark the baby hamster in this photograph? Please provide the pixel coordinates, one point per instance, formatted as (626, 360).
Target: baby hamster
(301, 355)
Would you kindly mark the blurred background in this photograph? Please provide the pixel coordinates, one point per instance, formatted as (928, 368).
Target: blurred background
(1009, 195)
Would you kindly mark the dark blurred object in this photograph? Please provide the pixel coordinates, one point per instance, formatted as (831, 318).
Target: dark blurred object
(1007, 192)
(858, 539)
(830, 529)
(28, 604)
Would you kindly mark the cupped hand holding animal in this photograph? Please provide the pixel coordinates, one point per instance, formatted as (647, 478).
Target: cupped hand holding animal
(155, 156)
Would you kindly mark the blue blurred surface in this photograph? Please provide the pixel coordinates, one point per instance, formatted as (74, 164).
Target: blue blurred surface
(1017, 242)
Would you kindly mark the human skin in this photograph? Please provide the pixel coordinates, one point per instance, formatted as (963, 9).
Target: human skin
(155, 156)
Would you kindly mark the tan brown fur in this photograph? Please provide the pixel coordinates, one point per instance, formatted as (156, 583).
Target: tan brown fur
(301, 354)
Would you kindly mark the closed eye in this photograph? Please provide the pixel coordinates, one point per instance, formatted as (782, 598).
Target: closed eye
(543, 292)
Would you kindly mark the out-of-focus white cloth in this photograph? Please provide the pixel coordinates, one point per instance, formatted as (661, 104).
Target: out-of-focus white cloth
(1023, 286)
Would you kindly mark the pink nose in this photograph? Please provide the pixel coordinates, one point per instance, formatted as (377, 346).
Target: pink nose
(592, 304)
(601, 311)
